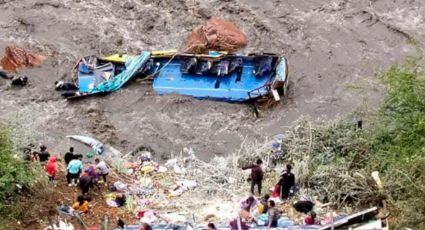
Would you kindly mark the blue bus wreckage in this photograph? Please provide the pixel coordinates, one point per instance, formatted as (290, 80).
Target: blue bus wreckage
(217, 76)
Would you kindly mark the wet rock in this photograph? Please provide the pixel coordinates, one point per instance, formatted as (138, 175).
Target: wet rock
(93, 108)
(129, 5)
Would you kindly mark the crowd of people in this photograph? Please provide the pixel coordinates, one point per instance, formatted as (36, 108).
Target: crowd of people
(86, 176)
(251, 205)
(76, 174)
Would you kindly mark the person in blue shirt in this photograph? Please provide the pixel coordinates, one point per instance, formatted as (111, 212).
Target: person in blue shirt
(74, 168)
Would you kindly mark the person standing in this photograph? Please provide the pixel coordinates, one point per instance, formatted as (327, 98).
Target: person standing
(287, 180)
(50, 169)
(257, 175)
(103, 168)
(43, 155)
(69, 156)
(80, 157)
(74, 168)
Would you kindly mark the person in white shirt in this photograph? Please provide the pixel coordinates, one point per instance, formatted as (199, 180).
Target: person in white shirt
(103, 168)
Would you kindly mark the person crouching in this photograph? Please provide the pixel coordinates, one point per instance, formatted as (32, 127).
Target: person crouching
(82, 205)
(85, 183)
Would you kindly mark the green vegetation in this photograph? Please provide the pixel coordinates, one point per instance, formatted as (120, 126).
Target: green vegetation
(335, 159)
(398, 142)
(13, 171)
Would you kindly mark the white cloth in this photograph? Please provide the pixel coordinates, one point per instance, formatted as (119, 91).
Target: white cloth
(102, 167)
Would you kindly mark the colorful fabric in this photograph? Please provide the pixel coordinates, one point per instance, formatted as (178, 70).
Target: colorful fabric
(132, 67)
(81, 208)
(276, 191)
(260, 208)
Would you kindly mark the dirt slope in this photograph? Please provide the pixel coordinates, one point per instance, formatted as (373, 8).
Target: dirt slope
(333, 47)
(43, 200)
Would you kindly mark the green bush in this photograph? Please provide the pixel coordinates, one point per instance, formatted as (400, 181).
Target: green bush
(13, 171)
(333, 160)
(399, 142)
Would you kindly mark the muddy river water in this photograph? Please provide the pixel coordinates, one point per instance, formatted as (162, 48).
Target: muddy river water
(334, 48)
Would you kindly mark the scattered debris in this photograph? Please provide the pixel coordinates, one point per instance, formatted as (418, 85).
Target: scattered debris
(19, 81)
(96, 145)
(15, 58)
(61, 225)
(5, 75)
(66, 86)
(195, 192)
(92, 75)
(354, 218)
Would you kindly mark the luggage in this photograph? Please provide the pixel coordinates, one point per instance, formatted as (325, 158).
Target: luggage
(215, 34)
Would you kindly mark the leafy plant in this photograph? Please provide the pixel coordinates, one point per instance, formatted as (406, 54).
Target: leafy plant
(14, 174)
(333, 160)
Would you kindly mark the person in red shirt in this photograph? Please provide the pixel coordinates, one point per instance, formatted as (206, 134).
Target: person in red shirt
(50, 169)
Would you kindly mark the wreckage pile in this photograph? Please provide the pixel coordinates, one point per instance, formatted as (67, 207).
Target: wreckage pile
(184, 185)
(187, 190)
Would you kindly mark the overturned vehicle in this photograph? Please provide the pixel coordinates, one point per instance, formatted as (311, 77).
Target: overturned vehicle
(217, 75)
